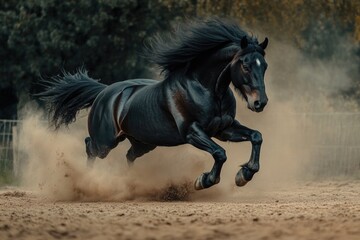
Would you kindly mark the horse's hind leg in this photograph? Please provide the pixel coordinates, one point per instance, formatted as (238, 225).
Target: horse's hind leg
(136, 150)
(90, 151)
(93, 151)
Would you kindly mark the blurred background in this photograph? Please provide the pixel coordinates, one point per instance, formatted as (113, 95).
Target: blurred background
(41, 37)
(313, 55)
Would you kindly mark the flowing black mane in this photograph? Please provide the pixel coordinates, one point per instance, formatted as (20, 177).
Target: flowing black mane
(189, 41)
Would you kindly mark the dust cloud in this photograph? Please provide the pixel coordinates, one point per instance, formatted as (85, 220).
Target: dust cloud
(56, 167)
(55, 162)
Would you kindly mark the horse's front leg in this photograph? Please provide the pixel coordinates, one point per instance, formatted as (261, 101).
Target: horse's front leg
(199, 139)
(239, 133)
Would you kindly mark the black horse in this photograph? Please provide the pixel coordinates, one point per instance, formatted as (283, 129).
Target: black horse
(191, 105)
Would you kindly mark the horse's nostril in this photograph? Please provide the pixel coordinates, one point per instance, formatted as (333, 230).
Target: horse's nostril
(257, 104)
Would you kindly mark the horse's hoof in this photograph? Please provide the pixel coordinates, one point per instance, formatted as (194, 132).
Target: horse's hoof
(205, 181)
(199, 182)
(240, 179)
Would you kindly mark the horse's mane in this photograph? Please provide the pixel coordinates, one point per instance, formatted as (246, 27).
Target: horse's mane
(187, 42)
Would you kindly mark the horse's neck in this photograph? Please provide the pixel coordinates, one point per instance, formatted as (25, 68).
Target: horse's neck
(223, 81)
(214, 71)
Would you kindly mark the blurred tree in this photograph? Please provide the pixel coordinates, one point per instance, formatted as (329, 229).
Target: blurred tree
(39, 37)
(288, 20)
(42, 37)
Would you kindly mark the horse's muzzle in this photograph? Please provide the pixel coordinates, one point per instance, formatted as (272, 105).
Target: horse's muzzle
(256, 99)
(259, 106)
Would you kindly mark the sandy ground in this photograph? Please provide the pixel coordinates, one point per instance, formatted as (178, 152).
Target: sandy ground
(61, 198)
(322, 210)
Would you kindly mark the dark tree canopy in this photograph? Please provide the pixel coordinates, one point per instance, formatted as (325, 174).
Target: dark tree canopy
(40, 38)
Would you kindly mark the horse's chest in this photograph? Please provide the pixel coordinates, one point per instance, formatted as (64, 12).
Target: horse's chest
(218, 124)
(223, 116)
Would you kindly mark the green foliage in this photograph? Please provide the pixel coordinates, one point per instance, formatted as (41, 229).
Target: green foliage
(41, 37)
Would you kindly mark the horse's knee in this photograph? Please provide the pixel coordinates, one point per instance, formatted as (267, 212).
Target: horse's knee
(220, 155)
(256, 137)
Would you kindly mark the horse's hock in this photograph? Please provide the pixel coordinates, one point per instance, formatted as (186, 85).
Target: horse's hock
(335, 143)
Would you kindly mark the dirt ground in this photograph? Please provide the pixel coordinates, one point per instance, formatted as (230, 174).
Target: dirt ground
(61, 198)
(322, 210)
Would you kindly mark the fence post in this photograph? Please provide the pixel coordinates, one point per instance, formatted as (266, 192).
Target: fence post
(15, 148)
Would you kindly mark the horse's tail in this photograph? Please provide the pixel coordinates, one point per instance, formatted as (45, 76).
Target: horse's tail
(66, 95)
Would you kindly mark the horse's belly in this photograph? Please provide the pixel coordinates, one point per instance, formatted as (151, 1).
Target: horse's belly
(151, 127)
(162, 138)
(160, 135)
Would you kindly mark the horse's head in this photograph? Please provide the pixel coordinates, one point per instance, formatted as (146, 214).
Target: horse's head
(247, 73)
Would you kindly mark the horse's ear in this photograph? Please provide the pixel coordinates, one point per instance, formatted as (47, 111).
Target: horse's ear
(264, 44)
(244, 43)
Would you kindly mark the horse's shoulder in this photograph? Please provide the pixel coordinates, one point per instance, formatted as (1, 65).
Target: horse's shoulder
(228, 102)
(229, 96)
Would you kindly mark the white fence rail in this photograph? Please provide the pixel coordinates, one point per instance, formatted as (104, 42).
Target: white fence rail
(8, 149)
(335, 140)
